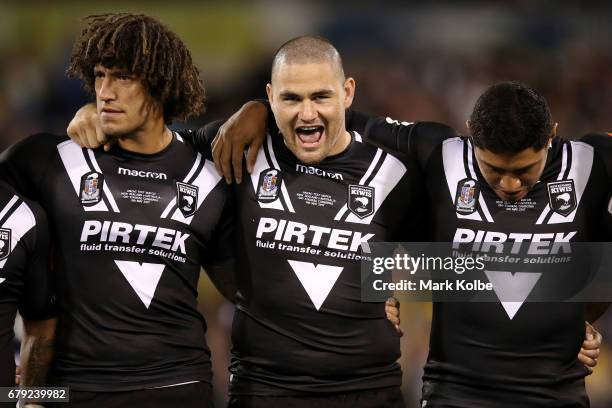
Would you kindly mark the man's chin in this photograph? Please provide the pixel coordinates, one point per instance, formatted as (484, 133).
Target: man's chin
(312, 157)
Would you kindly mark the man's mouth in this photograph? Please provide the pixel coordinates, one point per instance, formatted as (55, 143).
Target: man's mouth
(310, 135)
(111, 111)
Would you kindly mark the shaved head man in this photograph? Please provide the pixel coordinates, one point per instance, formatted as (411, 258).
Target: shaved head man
(308, 94)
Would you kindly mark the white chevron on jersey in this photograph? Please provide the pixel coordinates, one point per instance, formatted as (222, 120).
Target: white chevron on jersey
(610, 206)
(19, 222)
(206, 180)
(261, 164)
(8, 206)
(76, 166)
(516, 286)
(178, 137)
(546, 210)
(143, 278)
(188, 177)
(106, 188)
(580, 170)
(2, 280)
(481, 201)
(386, 178)
(358, 137)
(317, 280)
(454, 171)
(369, 171)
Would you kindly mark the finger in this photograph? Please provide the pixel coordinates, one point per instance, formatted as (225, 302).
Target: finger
(590, 353)
(399, 330)
(393, 302)
(392, 310)
(101, 137)
(252, 154)
(393, 319)
(217, 145)
(591, 344)
(589, 362)
(590, 331)
(91, 138)
(589, 370)
(225, 159)
(237, 150)
(72, 129)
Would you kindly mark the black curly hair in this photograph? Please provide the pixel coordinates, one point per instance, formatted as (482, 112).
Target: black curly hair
(147, 49)
(510, 117)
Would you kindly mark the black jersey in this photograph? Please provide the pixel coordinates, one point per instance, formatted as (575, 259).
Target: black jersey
(300, 326)
(25, 283)
(481, 353)
(130, 233)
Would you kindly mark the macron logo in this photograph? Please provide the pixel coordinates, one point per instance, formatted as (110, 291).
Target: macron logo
(144, 174)
(318, 172)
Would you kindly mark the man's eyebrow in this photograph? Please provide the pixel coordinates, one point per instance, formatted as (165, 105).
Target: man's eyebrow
(519, 170)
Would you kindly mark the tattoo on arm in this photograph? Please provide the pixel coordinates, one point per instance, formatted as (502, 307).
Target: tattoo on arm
(38, 360)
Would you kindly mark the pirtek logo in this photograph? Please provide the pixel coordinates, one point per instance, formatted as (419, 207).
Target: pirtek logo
(493, 241)
(143, 174)
(315, 235)
(318, 172)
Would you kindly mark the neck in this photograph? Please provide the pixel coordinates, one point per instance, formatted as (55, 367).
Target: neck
(342, 143)
(152, 138)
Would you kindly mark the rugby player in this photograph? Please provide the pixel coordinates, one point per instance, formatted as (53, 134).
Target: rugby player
(25, 285)
(301, 335)
(515, 354)
(131, 227)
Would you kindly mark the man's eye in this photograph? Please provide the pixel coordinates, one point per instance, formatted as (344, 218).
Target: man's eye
(98, 74)
(124, 77)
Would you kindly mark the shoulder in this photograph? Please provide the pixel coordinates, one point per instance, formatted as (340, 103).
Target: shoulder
(601, 144)
(199, 139)
(40, 140)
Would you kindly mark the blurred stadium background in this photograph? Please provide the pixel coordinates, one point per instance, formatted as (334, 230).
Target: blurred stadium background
(411, 62)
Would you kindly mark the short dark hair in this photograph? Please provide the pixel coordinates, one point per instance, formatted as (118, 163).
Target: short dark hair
(147, 49)
(510, 117)
(307, 49)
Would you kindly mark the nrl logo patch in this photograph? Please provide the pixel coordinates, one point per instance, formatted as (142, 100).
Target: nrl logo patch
(466, 197)
(5, 243)
(268, 189)
(186, 198)
(562, 197)
(361, 200)
(91, 188)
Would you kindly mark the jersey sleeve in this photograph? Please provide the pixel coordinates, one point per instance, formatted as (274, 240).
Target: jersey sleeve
(203, 137)
(222, 244)
(38, 296)
(412, 139)
(602, 143)
(24, 164)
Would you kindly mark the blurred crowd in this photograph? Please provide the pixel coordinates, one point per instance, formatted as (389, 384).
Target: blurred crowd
(410, 63)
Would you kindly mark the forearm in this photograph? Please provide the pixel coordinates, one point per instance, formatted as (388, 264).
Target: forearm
(37, 350)
(223, 276)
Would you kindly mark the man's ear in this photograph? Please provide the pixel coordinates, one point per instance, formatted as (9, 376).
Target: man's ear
(269, 92)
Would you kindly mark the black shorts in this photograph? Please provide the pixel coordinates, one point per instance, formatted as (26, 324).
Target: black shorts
(390, 397)
(196, 395)
(452, 395)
